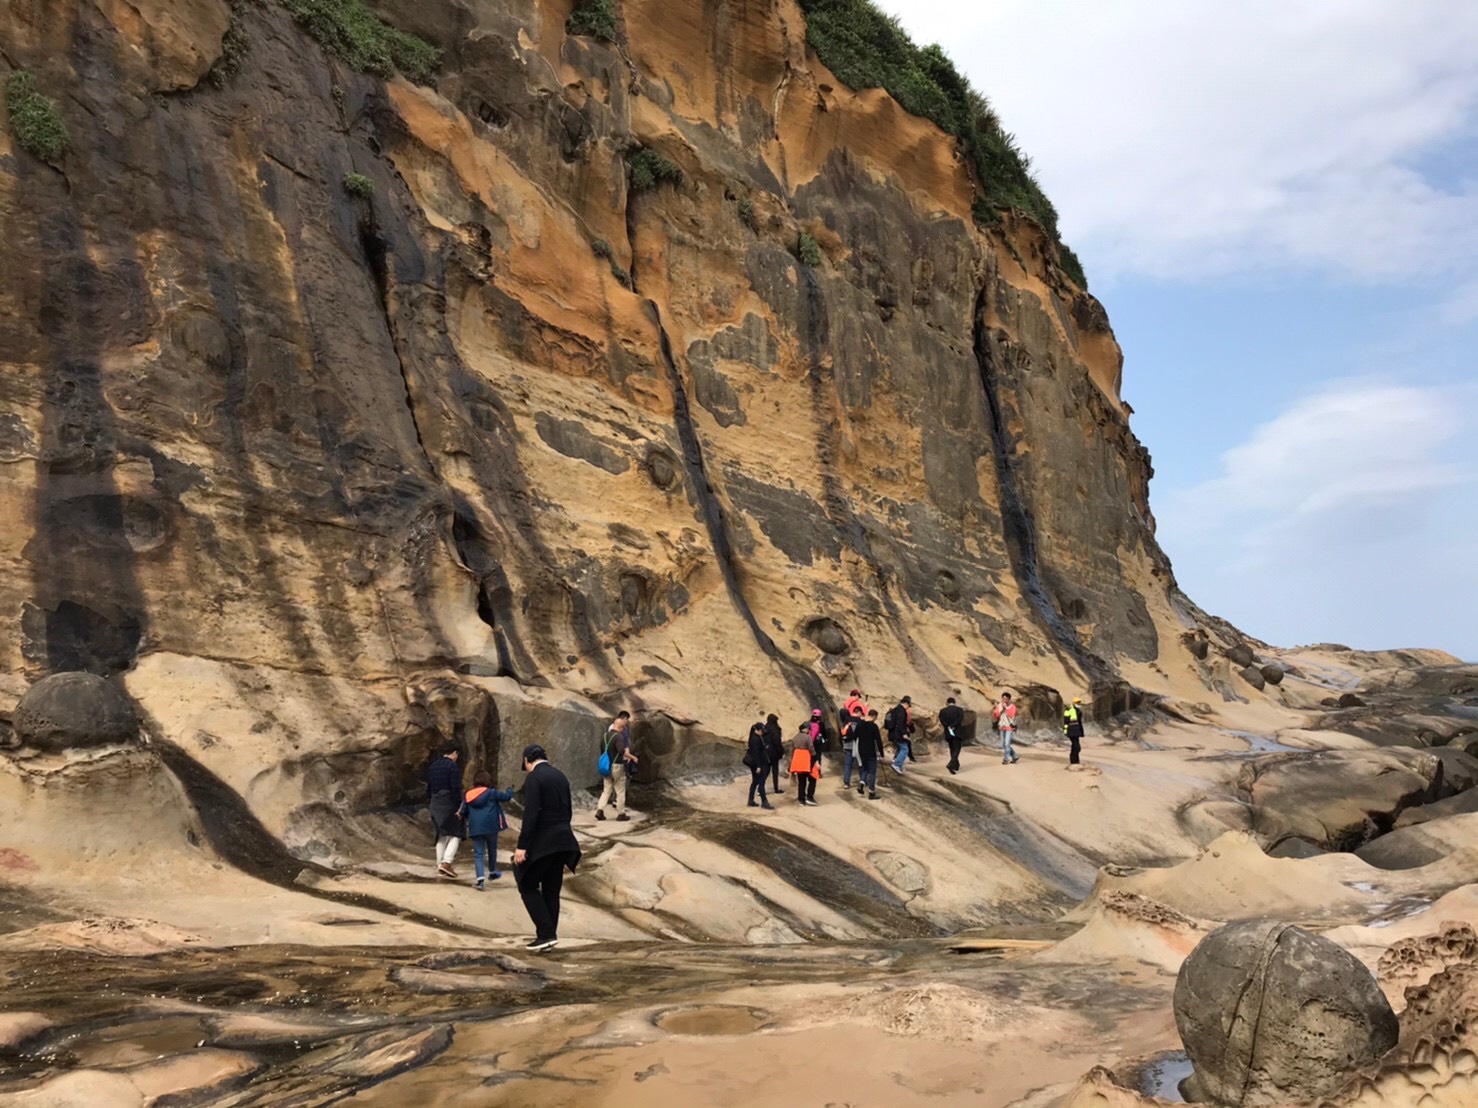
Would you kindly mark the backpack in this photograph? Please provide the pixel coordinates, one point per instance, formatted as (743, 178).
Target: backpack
(604, 765)
(888, 720)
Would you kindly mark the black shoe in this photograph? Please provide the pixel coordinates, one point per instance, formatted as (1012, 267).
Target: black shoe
(600, 813)
(752, 804)
(538, 946)
(768, 807)
(872, 796)
(622, 818)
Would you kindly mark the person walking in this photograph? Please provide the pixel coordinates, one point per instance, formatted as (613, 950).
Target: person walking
(444, 795)
(546, 845)
(1004, 714)
(849, 745)
(899, 723)
(855, 705)
(869, 750)
(952, 720)
(774, 749)
(1072, 727)
(482, 808)
(757, 758)
(803, 765)
(616, 749)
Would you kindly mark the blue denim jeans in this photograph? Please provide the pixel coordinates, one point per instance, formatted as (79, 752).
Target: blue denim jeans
(867, 774)
(901, 756)
(848, 757)
(484, 848)
(1008, 752)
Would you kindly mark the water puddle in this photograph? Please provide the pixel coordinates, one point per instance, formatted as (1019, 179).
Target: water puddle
(1161, 1076)
(131, 1043)
(712, 1019)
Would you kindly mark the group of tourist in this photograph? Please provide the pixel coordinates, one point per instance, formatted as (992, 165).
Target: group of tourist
(547, 846)
(862, 745)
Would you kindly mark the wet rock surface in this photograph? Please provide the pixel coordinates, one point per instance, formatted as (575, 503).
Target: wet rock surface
(1270, 1013)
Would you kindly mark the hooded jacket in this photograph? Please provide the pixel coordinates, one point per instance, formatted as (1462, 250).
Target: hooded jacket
(483, 810)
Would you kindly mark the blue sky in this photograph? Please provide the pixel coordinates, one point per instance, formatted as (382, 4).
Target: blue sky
(1278, 204)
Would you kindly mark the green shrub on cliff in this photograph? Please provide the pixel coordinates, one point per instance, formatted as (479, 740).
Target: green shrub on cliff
(34, 120)
(351, 31)
(868, 49)
(595, 18)
(357, 184)
(808, 250)
(650, 169)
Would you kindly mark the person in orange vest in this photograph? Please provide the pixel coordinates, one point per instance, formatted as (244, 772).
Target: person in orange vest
(855, 705)
(482, 808)
(804, 765)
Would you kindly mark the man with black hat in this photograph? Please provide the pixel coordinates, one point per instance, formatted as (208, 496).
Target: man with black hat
(952, 720)
(546, 845)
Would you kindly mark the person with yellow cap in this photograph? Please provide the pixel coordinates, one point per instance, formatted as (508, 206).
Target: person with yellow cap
(1072, 727)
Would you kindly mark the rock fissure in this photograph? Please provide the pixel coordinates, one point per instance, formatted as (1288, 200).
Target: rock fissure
(1017, 522)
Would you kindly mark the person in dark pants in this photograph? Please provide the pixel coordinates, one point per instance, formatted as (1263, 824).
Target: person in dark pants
(546, 845)
(1072, 727)
(775, 748)
(757, 758)
(444, 793)
(952, 719)
(899, 722)
(803, 767)
(869, 750)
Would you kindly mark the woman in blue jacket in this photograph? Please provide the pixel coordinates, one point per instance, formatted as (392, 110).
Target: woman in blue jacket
(483, 810)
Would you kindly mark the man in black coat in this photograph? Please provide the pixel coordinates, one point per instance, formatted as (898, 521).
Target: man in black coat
(869, 750)
(546, 845)
(952, 719)
(775, 748)
(900, 726)
(444, 797)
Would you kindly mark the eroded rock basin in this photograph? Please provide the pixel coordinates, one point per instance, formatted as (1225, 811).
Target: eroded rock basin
(610, 1024)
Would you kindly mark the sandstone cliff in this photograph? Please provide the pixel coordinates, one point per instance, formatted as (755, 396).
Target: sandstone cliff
(499, 427)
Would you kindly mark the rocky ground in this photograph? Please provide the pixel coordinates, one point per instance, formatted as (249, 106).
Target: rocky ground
(991, 937)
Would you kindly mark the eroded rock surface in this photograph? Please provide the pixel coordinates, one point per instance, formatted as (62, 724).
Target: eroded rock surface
(1271, 1013)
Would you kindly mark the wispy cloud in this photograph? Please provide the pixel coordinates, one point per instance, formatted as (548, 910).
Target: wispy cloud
(1336, 518)
(1193, 140)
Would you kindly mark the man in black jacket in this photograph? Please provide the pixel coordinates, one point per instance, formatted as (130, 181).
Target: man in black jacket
(869, 750)
(899, 722)
(546, 845)
(952, 719)
(775, 748)
(444, 797)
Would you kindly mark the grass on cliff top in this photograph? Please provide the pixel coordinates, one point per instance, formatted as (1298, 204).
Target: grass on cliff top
(351, 31)
(868, 49)
(34, 119)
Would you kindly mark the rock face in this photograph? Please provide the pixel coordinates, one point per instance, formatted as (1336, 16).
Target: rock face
(1271, 1013)
(74, 710)
(1338, 800)
(309, 448)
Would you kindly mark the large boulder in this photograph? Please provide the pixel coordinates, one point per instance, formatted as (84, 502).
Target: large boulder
(1271, 1013)
(72, 710)
(1253, 676)
(1338, 799)
(1272, 673)
(1240, 654)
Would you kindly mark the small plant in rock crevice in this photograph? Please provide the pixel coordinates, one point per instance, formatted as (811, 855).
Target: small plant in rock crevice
(808, 250)
(746, 214)
(34, 119)
(357, 184)
(595, 18)
(650, 169)
(234, 47)
(601, 248)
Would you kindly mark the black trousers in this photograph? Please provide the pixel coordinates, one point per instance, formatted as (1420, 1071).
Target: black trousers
(805, 786)
(539, 883)
(955, 742)
(867, 774)
(757, 781)
(775, 770)
(1072, 754)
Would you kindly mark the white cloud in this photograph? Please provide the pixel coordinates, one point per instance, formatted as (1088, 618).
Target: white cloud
(1344, 516)
(1193, 139)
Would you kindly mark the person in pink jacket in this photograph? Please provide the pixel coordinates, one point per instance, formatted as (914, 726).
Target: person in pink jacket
(1004, 714)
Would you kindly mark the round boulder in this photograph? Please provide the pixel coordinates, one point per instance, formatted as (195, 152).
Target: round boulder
(1253, 676)
(1240, 655)
(1272, 673)
(1271, 1013)
(68, 710)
